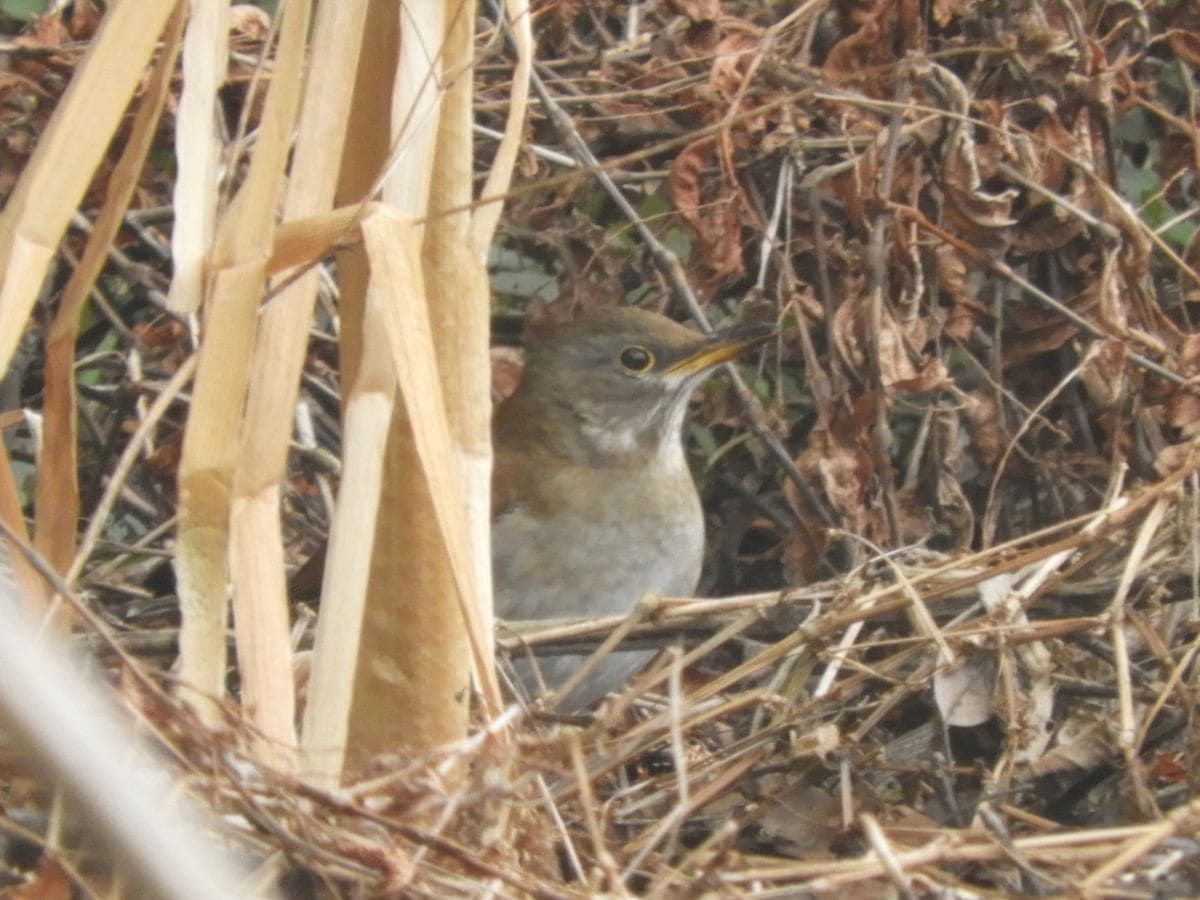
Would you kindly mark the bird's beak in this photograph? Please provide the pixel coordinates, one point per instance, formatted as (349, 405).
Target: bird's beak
(721, 346)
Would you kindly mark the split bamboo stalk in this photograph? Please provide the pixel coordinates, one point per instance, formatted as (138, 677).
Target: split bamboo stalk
(197, 150)
(212, 442)
(256, 556)
(414, 660)
(455, 249)
(422, 621)
(410, 678)
(367, 396)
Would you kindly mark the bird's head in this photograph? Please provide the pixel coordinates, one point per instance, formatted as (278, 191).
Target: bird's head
(613, 386)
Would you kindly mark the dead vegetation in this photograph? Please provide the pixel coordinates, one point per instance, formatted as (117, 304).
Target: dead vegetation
(959, 561)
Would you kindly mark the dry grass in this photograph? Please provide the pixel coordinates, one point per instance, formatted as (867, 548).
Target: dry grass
(975, 462)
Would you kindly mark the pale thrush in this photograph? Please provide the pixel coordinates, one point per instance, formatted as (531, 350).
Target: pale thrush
(593, 501)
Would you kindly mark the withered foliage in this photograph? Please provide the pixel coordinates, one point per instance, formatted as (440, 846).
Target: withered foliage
(961, 654)
(973, 222)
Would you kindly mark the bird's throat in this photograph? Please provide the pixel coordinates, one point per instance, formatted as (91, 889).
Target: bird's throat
(647, 438)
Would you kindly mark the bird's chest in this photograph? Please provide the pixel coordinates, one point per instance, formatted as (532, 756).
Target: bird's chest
(594, 545)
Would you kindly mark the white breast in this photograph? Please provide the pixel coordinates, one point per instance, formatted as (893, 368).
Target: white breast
(642, 547)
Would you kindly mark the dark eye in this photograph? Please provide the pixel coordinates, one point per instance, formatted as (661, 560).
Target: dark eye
(636, 359)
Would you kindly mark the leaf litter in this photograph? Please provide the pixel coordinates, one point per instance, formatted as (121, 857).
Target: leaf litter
(956, 643)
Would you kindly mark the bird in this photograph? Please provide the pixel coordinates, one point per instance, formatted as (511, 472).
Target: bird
(594, 504)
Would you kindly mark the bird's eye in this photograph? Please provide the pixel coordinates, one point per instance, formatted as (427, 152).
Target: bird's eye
(636, 359)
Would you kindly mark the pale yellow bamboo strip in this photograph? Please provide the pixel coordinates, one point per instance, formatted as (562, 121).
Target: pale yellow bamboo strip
(198, 150)
(409, 333)
(302, 242)
(260, 607)
(66, 156)
(325, 734)
(412, 677)
(257, 557)
(205, 488)
(57, 508)
(358, 715)
(416, 105)
(459, 306)
(211, 446)
(487, 214)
